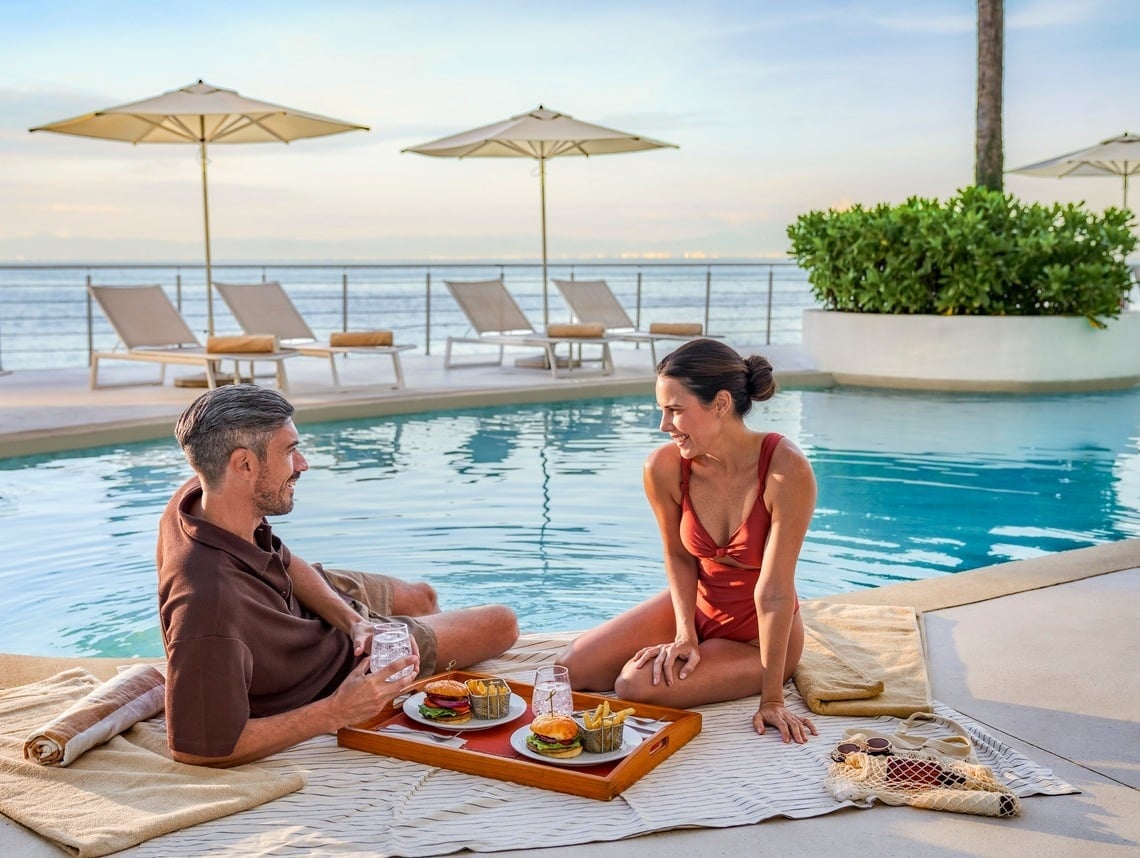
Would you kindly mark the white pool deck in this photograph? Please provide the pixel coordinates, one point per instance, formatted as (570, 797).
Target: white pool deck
(1047, 655)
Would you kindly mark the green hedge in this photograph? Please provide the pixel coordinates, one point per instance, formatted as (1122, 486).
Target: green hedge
(980, 253)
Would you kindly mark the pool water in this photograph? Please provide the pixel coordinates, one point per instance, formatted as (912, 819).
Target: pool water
(541, 506)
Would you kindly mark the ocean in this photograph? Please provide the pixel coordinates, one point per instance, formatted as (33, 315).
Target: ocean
(47, 322)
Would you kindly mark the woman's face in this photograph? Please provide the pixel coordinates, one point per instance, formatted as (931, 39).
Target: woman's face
(687, 420)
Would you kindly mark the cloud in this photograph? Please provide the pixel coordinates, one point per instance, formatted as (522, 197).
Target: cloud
(79, 208)
(1052, 13)
(932, 23)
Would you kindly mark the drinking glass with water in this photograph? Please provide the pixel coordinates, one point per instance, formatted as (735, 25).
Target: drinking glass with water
(552, 693)
(391, 641)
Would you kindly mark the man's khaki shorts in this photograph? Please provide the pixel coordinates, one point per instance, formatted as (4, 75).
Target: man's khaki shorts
(370, 594)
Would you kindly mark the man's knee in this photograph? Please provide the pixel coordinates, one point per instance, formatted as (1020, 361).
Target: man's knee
(418, 599)
(501, 626)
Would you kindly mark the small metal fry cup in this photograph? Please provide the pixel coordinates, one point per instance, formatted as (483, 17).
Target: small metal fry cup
(604, 738)
(490, 698)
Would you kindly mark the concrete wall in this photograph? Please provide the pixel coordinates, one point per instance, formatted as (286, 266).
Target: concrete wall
(978, 353)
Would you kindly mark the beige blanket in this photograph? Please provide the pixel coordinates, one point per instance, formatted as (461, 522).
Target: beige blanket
(121, 793)
(863, 660)
(136, 694)
(364, 804)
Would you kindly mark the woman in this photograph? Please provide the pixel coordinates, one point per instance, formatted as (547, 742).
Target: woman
(733, 506)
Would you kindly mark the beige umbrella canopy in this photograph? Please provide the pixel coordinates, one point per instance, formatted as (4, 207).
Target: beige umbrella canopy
(541, 135)
(1117, 156)
(201, 114)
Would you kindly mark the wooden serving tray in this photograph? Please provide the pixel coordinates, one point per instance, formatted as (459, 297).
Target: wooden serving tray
(489, 753)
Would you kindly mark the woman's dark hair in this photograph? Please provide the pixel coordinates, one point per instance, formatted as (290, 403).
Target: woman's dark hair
(707, 367)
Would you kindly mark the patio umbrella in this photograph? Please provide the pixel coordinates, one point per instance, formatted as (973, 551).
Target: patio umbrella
(201, 114)
(1117, 156)
(540, 134)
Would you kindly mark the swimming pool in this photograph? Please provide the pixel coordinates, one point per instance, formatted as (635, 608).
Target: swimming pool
(541, 506)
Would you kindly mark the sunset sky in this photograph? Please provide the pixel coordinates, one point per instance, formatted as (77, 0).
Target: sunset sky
(777, 107)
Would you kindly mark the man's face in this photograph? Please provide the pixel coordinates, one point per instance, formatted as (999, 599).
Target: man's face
(279, 472)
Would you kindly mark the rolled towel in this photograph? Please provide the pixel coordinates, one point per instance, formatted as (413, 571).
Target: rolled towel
(242, 344)
(119, 703)
(679, 329)
(360, 338)
(582, 330)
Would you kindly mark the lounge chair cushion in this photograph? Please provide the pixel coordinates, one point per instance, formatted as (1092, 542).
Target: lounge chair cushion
(563, 331)
(360, 338)
(680, 329)
(242, 344)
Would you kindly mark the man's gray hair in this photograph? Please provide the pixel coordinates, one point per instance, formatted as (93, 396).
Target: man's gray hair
(226, 419)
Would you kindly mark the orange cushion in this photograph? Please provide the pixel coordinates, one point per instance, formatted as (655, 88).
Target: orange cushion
(680, 329)
(561, 331)
(360, 338)
(242, 344)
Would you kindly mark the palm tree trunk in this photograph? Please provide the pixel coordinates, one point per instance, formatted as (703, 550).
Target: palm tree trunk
(988, 155)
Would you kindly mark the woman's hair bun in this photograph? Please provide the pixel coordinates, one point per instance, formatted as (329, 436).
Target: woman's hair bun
(760, 379)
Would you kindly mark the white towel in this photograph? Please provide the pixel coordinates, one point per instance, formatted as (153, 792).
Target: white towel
(119, 703)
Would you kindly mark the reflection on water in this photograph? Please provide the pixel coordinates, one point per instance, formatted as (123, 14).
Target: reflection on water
(541, 507)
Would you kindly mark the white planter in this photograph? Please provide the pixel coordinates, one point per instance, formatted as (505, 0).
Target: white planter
(974, 353)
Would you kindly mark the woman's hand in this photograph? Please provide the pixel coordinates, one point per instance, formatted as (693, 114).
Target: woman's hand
(664, 657)
(791, 726)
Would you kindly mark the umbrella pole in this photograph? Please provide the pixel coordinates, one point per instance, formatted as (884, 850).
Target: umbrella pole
(542, 194)
(206, 223)
(1126, 186)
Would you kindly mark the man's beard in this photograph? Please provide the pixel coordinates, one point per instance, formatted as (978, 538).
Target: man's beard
(271, 500)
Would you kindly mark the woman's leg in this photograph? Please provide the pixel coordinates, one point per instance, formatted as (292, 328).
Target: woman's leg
(596, 657)
(728, 670)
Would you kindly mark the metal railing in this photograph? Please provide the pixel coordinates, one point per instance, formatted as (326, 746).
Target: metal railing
(47, 320)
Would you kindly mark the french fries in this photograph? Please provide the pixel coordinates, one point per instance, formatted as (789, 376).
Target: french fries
(603, 717)
(483, 689)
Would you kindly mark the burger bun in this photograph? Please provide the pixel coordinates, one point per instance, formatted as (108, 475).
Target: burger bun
(562, 728)
(446, 688)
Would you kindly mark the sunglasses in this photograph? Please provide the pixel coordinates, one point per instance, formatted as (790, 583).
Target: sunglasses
(874, 747)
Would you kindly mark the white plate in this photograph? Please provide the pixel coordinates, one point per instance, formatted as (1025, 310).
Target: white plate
(515, 708)
(629, 741)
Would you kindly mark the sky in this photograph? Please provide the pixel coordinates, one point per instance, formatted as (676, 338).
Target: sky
(777, 108)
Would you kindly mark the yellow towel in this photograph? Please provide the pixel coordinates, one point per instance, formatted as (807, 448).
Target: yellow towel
(242, 344)
(680, 329)
(863, 660)
(360, 338)
(119, 703)
(563, 331)
(117, 795)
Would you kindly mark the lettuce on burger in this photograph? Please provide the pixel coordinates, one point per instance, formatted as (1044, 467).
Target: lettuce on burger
(555, 736)
(446, 701)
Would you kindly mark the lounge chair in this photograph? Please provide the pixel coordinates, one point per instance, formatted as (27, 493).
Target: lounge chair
(265, 308)
(151, 329)
(497, 319)
(594, 301)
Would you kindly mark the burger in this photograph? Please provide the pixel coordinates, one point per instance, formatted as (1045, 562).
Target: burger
(445, 700)
(555, 736)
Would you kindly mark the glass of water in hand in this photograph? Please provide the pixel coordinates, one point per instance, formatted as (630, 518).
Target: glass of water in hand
(552, 693)
(391, 641)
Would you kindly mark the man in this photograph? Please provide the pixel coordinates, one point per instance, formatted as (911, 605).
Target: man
(262, 650)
